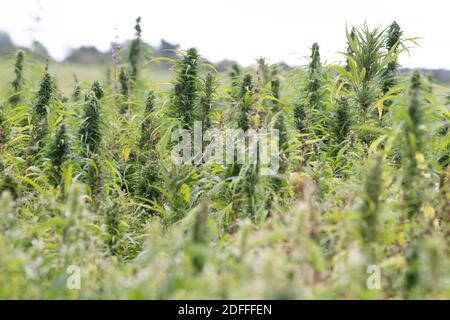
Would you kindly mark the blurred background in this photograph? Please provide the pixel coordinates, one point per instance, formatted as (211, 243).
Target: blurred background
(80, 33)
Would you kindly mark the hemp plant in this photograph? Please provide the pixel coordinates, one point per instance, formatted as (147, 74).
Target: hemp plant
(146, 125)
(342, 120)
(186, 91)
(246, 101)
(349, 48)
(366, 62)
(199, 236)
(58, 152)
(371, 203)
(147, 186)
(76, 89)
(275, 85)
(235, 74)
(135, 51)
(9, 183)
(392, 45)
(281, 126)
(245, 98)
(44, 95)
(90, 128)
(97, 90)
(4, 129)
(313, 82)
(41, 108)
(207, 101)
(312, 95)
(390, 72)
(124, 89)
(300, 120)
(17, 84)
(413, 130)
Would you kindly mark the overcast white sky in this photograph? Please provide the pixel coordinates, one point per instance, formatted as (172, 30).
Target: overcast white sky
(281, 30)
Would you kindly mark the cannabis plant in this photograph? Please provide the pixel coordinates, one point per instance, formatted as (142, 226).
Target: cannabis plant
(246, 100)
(41, 108)
(199, 236)
(113, 227)
(352, 193)
(390, 73)
(90, 128)
(146, 125)
(44, 95)
(94, 178)
(4, 129)
(349, 48)
(300, 117)
(18, 82)
(124, 83)
(413, 130)
(392, 45)
(58, 151)
(263, 71)
(275, 90)
(366, 62)
(342, 121)
(313, 82)
(97, 90)
(207, 100)
(135, 51)
(186, 90)
(147, 187)
(371, 202)
(235, 74)
(283, 141)
(9, 183)
(76, 89)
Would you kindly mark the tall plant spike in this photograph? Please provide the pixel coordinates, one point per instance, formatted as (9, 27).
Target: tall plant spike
(124, 83)
(313, 82)
(390, 72)
(246, 96)
(341, 119)
(185, 95)
(4, 130)
(58, 152)
(413, 146)
(90, 128)
(146, 126)
(300, 117)
(18, 82)
(135, 51)
(207, 100)
(349, 48)
(98, 90)
(43, 98)
(76, 89)
(280, 125)
(371, 202)
(59, 148)
(275, 88)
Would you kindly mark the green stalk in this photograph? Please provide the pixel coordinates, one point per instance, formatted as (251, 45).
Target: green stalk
(90, 129)
(18, 82)
(186, 91)
(135, 51)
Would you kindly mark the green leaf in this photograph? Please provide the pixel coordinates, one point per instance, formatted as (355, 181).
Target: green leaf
(32, 183)
(185, 192)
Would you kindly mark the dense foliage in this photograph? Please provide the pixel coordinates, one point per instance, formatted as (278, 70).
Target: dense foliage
(363, 184)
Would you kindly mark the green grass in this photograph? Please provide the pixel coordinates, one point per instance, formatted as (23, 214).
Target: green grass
(63, 73)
